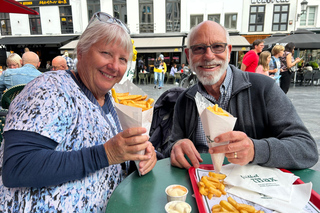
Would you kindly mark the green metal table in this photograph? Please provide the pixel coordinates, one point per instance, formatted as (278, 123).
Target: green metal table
(146, 194)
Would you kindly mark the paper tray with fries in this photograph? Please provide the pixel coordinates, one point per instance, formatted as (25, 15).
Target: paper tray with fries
(205, 205)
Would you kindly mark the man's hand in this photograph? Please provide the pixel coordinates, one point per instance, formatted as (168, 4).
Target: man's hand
(240, 149)
(181, 148)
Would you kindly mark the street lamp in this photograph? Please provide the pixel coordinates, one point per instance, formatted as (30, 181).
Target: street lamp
(304, 4)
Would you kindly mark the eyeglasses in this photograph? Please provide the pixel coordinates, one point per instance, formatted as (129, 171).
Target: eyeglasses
(216, 48)
(105, 17)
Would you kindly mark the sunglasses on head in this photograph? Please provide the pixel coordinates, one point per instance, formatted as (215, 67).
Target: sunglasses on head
(216, 48)
(105, 17)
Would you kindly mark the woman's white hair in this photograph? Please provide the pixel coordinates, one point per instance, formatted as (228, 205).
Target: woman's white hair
(110, 33)
(15, 58)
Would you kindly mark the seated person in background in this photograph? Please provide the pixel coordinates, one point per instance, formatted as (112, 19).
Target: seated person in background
(59, 63)
(65, 150)
(22, 75)
(173, 69)
(145, 69)
(268, 130)
(14, 61)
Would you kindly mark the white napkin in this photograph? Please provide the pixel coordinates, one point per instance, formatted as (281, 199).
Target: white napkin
(268, 181)
(213, 126)
(300, 196)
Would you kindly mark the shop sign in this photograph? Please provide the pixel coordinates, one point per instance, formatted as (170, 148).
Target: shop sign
(268, 1)
(45, 2)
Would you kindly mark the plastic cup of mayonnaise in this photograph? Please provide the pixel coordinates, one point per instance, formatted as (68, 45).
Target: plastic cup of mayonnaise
(178, 206)
(176, 193)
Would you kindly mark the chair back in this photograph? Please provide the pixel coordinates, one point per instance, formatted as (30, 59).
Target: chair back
(3, 114)
(10, 94)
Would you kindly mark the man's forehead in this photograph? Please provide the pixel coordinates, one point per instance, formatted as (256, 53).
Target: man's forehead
(208, 34)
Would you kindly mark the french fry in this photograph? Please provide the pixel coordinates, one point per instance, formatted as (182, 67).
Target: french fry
(225, 204)
(122, 94)
(218, 176)
(130, 97)
(212, 185)
(114, 95)
(217, 110)
(132, 100)
(246, 207)
(232, 206)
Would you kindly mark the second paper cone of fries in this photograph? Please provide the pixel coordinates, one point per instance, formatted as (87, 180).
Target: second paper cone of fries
(136, 112)
(214, 124)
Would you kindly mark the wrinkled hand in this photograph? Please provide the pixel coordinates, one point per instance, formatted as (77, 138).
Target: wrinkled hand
(125, 145)
(146, 166)
(239, 142)
(181, 148)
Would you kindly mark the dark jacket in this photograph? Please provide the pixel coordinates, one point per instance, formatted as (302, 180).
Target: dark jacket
(264, 113)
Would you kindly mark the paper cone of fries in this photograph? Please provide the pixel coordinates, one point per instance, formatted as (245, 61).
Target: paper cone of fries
(130, 116)
(214, 125)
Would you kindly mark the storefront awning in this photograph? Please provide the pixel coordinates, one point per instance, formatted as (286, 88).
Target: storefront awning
(11, 6)
(239, 43)
(158, 44)
(70, 46)
(23, 40)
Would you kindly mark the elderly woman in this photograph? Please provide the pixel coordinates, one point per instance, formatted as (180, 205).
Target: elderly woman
(14, 61)
(64, 148)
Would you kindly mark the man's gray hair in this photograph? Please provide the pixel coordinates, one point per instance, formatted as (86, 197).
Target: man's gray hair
(110, 33)
(193, 30)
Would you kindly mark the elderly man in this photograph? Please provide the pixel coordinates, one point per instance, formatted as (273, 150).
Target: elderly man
(22, 75)
(268, 132)
(59, 63)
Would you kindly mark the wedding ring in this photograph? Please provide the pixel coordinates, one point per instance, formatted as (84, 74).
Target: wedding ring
(235, 155)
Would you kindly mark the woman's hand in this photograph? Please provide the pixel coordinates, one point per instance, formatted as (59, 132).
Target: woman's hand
(146, 166)
(125, 145)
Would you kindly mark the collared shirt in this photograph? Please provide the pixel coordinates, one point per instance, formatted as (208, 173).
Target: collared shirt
(70, 62)
(22, 75)
(223, 102)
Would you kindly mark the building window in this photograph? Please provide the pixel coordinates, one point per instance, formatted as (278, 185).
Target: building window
(195, 20)
(256, 18)
(5, 24)
(280, 17)
(66, 20)
(120, 10)
(146, 16)
(35, 23)
(230, 21)
(309, 18)
(173, 16)
(215, 18)
(93, 7)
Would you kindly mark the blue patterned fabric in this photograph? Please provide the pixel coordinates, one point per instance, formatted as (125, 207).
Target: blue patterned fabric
(54, 106)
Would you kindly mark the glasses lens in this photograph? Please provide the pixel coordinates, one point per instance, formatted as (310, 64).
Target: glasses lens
(198, 49)
(218, 47)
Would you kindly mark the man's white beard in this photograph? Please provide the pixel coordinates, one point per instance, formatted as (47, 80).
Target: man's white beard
(209, 78)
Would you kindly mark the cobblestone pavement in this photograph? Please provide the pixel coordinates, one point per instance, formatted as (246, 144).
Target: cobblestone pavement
(306, 100)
